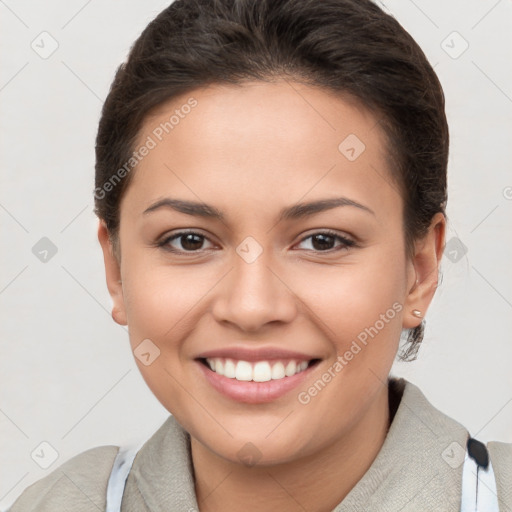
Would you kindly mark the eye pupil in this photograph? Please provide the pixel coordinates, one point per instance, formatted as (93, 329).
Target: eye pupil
(188, 239)
(322, 238)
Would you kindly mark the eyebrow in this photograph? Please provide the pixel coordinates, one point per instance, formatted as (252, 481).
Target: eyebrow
(297, 211)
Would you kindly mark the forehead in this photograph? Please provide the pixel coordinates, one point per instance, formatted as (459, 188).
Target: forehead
(282, 114)
(259, 142)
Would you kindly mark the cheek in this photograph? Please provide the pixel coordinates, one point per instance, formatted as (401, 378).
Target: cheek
(159, 302)
(359, 309)
(161, 306)
(165, 303)
(351, 299)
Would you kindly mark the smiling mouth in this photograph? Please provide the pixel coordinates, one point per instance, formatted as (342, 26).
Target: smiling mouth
(258, 371)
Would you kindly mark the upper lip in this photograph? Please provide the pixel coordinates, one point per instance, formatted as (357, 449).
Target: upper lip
(259, 354)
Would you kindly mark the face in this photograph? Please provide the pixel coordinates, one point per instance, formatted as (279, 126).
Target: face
(298, 309)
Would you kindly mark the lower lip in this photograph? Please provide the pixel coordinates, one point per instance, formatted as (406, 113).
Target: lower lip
(254, 392)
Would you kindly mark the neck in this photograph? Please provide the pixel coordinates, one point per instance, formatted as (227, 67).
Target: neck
(316, 483)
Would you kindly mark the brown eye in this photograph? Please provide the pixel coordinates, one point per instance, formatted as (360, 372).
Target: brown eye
(324, 241)
(186, 241)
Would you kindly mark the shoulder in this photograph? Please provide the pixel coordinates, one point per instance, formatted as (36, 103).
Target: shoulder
(79, 484)
(501, 453)
(501, 460)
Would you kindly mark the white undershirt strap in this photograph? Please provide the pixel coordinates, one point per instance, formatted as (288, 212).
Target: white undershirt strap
(117, 481)
(479, 493)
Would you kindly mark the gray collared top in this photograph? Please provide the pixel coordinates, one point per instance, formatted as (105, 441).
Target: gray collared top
(418, 468)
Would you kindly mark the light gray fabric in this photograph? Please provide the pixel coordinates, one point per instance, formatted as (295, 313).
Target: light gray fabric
(78, 485)
(501, 457)
(409, 474)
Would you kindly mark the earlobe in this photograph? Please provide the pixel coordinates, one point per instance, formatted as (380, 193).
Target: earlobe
(112, 274)
(424, 270)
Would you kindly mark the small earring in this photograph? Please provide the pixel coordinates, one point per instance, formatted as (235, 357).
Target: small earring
(417, 312)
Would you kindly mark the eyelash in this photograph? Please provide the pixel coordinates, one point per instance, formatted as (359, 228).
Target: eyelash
(347, 243)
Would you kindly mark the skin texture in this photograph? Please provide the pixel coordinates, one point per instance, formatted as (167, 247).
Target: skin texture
(250, 151)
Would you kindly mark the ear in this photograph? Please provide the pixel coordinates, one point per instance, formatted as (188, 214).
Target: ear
(113, 275)
(423, 271)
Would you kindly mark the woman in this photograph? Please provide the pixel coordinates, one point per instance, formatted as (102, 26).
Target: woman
(271, 189)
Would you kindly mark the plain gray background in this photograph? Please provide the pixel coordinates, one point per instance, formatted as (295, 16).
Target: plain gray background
(69, 379)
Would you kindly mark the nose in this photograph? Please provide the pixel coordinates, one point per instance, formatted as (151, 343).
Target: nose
(254, 294)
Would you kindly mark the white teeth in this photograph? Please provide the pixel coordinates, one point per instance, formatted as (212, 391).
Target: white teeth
(261, 371)
(278, 371)
(291, 368)
(243, 371)
(229, 369)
